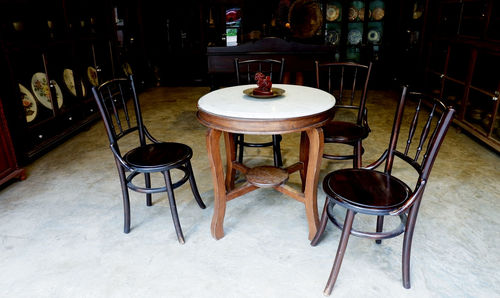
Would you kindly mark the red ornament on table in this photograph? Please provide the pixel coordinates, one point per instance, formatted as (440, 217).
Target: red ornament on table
(264, 83)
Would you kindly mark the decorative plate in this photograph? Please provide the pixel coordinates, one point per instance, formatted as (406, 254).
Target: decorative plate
(58, 93)
(92, 74)
(378, 13)
(332, 13)
(41, 90)
(374, 36)
(69, 81)
(417, 14)
(29, 103)
(354, 36)
(332, 37)
(353, 13)
(276, 92)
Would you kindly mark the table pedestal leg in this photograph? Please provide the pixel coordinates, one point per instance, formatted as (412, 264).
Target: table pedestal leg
(304, 157)
(213, 139)
(230, 157)
(312, 143)
(311, 151)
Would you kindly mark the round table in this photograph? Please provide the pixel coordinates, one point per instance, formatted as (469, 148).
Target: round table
(300, 109)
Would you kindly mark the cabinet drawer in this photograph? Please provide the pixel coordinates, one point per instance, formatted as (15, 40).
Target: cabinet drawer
(39, 136)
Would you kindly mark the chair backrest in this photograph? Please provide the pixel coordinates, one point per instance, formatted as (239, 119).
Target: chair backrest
(348, 82)
(245, 70)
(425, 128)
(120, 117)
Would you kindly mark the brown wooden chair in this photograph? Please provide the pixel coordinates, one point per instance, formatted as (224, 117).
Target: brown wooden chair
(348, 82)
(120, 120)
(380, 193)
(245, 72)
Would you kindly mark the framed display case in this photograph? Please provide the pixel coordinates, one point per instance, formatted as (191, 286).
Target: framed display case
(53, 53)
(362, 31)
(462, 60)
(356, 28)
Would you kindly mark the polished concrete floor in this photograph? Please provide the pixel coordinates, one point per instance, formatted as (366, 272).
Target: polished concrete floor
(61, 229)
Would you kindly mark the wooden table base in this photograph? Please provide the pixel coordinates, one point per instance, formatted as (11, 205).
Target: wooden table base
(311, 150)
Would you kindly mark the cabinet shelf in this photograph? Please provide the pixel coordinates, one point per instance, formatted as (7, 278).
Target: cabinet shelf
(487, 92)
(446, 77)
(454, 80)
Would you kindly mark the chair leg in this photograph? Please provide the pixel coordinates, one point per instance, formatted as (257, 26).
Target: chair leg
(125, 197)
(147, 178)
(194, 188)
(278, 162)
(173, 207)
(322, 224)
(241, 140)
(380, 226)
(357, 155)
(408, 236)
(344, 238)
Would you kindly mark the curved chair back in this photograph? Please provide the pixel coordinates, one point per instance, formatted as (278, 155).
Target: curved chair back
(245, 74)
(120, 118)
(348, 82)
(426, 128)
(246, 69)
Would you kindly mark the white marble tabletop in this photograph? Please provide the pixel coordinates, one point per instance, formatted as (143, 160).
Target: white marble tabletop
(297, 101)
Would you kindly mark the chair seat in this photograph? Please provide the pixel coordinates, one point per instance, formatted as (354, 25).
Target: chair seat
(344, 132)
(366, 191)
(158, 155)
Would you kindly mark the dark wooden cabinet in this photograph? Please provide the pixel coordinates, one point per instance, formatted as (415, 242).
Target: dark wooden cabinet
(298, 57)
(463, 59)
(8, 163)
(53, 53)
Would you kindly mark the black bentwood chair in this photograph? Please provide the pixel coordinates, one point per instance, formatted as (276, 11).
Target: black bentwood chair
(379, 193)
(245, 74)
(348, 82)
(157, 157)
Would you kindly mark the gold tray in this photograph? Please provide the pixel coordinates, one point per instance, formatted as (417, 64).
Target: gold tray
(276, 92)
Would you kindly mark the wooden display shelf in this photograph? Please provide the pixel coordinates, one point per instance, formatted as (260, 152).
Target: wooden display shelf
(479, 134)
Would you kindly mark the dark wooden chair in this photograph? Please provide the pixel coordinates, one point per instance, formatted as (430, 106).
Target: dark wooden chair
(380, 193)
(245, 72)
(121, 119)
(348, 82)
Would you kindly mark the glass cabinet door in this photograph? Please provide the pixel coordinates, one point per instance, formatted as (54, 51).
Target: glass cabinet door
(482, 104)
(492, 32)
(104, 61)
(473, 18)
(333, 22)
(35, 90)
(88, 69)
